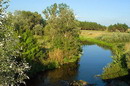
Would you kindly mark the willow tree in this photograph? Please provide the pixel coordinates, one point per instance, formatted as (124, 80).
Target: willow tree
(61, 33)
(12, 69)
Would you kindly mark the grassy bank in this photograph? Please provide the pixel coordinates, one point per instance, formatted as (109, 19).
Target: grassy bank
(96, 41)
(106, 38)
(115, 40)
(119, 43)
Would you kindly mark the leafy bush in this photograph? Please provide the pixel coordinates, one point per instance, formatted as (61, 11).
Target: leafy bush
(29, 47)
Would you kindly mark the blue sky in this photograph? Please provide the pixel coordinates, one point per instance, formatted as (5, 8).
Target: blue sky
(104, 12)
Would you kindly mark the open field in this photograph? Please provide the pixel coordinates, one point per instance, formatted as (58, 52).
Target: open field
(92, 34)
(107, 38)
(95, 34)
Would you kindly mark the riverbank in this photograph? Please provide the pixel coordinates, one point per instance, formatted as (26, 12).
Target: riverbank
(93, 59)
(109, 37)
(119, 43)
(96, 41)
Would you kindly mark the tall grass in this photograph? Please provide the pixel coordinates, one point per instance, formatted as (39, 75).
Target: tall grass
(115, 37)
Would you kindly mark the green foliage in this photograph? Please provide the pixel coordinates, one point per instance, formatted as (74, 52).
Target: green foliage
(91, 26)
(52, 65)
(118, 27)
(32, 52)
(128, 59)
(26, 20)
(114, 70)
(27, 24)
(61, 33)
(38, 30)
(118, 67)
(12, 68)
(29, 47)
(3, 7)
(115, 37)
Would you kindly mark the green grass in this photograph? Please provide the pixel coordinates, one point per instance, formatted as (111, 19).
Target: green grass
(115, 37)
(96, 41)
(110, 39)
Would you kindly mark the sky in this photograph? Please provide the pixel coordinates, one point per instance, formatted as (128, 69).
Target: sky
(105, 12)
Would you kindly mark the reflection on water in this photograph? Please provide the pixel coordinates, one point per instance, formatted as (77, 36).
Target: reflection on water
(93, 59)
(57, 77)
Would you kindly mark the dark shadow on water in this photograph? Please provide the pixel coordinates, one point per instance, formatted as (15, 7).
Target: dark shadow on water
(120, 81)
(57, 77)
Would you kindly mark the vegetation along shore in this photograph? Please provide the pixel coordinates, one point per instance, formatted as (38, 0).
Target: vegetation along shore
(31, 43)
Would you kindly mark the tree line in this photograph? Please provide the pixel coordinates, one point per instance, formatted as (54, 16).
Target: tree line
(111, 28)
(91, 26)
(118, 27)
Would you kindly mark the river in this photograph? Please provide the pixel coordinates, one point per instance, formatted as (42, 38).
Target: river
(91, 63)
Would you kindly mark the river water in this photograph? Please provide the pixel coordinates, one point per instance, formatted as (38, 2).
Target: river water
(91, 63)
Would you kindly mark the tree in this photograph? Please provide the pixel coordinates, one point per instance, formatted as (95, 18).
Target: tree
(38, 30)
(118, 27)
(12, 68)
(61, 33)
(27, 24)
(26, 20)
(29, 47)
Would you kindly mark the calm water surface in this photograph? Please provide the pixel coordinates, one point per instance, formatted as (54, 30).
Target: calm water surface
(91, 63)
